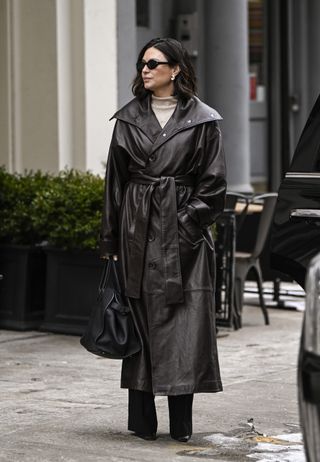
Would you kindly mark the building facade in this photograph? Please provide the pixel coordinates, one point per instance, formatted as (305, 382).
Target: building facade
(67, 65)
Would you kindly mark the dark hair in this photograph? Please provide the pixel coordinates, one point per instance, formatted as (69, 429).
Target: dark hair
(175, 53)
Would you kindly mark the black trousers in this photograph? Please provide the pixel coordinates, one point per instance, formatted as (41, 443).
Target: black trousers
(143, 417)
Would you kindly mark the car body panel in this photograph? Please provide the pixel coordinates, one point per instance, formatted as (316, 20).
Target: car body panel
(309, 364)
(295, 250)
(296, 226)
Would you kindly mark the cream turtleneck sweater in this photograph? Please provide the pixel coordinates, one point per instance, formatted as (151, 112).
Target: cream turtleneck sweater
(163, 107)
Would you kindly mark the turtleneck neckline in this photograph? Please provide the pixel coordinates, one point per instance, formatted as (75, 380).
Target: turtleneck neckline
(163, 107)
(164, 100)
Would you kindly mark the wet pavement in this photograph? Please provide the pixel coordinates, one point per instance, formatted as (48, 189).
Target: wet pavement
(59, 403)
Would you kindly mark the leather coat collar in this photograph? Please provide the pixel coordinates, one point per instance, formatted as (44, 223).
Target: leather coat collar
(186, 115)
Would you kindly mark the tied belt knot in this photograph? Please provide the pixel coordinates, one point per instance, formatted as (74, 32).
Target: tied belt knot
(169, 235)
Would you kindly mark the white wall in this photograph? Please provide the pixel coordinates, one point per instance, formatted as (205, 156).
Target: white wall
(101, 87)
(30, 79)
(58, 63)
(5, 141)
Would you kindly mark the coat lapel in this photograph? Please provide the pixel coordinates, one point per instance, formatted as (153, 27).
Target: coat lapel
(141, 115)
(186, 115)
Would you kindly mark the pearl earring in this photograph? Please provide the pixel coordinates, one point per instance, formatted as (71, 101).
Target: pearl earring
(173, 77)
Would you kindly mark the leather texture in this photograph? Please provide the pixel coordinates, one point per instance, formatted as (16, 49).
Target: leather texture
(164, 188)
(111, 332)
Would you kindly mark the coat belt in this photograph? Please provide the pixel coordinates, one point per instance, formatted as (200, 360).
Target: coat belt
(169, 235)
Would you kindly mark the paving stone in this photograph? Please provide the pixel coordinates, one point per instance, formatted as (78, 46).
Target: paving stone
(60, 403)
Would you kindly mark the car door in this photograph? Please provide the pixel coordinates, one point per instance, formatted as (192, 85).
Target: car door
(295, 237)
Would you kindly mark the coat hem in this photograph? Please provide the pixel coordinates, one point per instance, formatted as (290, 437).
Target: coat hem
(209, 387)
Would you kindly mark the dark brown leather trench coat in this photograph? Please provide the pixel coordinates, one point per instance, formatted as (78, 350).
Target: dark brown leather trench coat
(164, 188)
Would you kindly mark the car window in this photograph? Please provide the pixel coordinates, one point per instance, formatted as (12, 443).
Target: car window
(307, 154)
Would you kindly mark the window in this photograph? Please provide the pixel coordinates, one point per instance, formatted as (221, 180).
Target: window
(257, 50)
(142, 13)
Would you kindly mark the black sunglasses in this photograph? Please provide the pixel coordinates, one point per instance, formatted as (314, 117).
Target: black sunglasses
(151, 64)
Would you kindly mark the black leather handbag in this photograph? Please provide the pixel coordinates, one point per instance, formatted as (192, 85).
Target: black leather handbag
(111, 331)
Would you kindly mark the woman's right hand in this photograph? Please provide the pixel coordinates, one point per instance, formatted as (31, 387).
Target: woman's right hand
(107, 257)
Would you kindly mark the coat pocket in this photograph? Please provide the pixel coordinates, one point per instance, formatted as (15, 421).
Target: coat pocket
(189, 230)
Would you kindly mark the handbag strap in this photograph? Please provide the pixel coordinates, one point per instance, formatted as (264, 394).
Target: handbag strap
(104, 277)
(115, 275)
(109, 270)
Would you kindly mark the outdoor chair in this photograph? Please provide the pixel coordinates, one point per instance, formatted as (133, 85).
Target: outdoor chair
(246, 261)
(234, 199)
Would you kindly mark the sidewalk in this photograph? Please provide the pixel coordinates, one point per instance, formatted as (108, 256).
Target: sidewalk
(59, 403)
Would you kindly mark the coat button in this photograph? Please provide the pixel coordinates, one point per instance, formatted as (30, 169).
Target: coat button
(164, 134)
(189, 121)
(151, 237)
(152, 157)
(152, 265)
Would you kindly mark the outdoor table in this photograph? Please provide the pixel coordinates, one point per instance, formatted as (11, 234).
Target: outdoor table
(252, 208)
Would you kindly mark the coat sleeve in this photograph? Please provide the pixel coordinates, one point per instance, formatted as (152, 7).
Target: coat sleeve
(208, 198)
(115, 179)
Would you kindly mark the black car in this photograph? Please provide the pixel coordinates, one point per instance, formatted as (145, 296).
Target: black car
(295, 250)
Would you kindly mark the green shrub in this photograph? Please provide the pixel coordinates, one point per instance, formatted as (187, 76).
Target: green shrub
(62, 211)
(68, 210)
(17, 193)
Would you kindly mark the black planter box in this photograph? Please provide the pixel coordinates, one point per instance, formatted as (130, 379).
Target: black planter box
(71, 289)
(22, 289)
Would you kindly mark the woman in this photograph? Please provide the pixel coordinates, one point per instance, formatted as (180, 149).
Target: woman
(165, 186)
